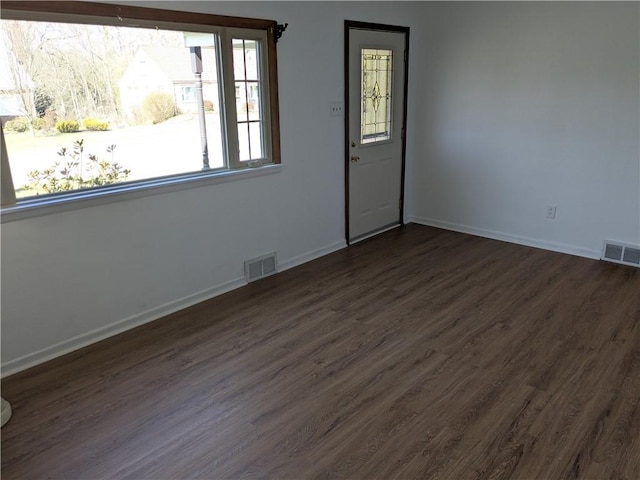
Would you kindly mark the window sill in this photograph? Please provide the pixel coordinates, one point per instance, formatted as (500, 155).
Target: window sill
(36, 207)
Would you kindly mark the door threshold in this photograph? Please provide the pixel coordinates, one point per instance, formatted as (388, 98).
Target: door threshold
(373, 234)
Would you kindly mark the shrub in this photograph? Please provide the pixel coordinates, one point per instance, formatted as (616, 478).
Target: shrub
(94, 125)
(67, 126)
(208, 106)
(50, 118)
(19, 124)
(75, 169)
(137, 116)
(38, 123)
(42, 102)
(159, 106)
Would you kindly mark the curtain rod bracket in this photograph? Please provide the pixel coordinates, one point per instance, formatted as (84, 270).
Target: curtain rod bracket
(280, 28)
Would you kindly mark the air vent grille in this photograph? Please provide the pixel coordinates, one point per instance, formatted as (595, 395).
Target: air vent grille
(269, 265)
(613, 252)
(618, 252)
(260, 267)
(631, 255)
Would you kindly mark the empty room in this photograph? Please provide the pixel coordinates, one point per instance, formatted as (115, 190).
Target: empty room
(365, 240)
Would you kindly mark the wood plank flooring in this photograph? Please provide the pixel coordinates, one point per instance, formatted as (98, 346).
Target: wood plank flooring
(420, 353)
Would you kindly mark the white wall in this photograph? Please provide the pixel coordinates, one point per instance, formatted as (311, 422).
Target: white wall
(512, 107)
(524, 105)
(70, 278)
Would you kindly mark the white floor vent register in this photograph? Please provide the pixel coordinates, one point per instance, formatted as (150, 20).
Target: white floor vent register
(623, 253)
(260, 267)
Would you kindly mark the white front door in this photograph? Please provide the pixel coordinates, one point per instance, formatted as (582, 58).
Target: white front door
(375, 130)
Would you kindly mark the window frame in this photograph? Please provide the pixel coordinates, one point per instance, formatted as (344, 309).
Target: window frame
(226, 27)
(227, 36)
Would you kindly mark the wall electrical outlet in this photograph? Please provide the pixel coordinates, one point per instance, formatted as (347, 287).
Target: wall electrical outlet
(551, 212)
(337, 109)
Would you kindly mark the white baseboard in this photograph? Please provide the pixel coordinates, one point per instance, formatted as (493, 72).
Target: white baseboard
(507, 237)
(85, 339)
(312, 255)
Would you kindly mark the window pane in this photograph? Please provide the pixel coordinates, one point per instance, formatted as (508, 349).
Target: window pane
(243, 142)
(238, 60)
(251, 59)
(248, 87)
(250, 141)
(248, 101)
(255, 136)
(253, 100)
(106, 104)
(375, 114)
(241, 102)
(214, 136)
(245, 59)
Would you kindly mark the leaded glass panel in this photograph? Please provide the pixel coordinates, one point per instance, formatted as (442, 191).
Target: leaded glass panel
(375, 113)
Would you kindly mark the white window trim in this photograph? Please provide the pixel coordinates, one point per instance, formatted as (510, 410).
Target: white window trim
(226, 39)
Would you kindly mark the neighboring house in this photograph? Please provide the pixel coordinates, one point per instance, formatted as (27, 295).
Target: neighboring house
(16, 87)
(167, 69)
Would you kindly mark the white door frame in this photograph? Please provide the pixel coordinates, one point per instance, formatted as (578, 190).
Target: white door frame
(355, 25)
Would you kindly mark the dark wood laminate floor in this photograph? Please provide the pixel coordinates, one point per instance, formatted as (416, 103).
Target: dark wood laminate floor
(418, 354)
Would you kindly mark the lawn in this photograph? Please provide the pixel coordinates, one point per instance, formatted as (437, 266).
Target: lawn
(167, 148)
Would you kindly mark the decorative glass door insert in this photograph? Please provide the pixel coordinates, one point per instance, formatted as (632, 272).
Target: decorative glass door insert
(375, 114)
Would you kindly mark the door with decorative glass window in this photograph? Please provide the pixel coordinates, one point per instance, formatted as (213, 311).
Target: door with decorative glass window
(375, 128)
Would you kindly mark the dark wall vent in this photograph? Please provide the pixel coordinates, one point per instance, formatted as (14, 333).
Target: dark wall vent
(623, 253)
(260, 267)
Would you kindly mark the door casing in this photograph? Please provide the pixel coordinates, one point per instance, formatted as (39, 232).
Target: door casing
(349, 25)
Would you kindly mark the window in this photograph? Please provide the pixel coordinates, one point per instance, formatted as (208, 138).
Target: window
(107, 95)
(188, 94)
(248, 85)
(375, 115)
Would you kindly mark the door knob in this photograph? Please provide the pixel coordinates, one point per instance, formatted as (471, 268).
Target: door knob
(354, 158)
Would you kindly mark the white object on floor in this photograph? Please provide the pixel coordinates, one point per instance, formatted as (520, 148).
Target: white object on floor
(6, 412)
